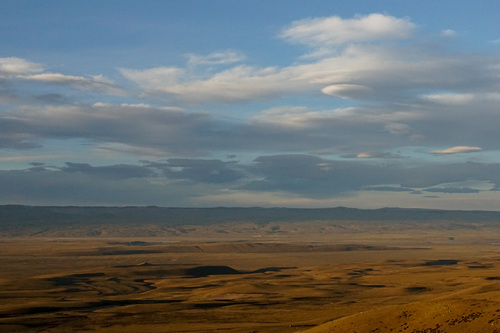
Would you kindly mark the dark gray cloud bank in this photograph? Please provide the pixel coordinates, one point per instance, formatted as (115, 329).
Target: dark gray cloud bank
(181, 181)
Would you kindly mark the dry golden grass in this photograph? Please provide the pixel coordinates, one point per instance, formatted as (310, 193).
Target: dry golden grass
(281, 278)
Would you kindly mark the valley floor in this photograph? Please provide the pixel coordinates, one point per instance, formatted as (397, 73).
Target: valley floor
(355, 281)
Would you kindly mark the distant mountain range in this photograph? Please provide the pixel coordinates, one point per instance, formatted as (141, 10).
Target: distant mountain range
(20, 215)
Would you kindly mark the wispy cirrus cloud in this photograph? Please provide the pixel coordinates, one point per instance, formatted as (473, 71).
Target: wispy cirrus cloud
(452, 190)
(25, 158)
(96, 82)
(450, 98)
(154, 79)
(215, 58)
(238, 84)
(13, 68)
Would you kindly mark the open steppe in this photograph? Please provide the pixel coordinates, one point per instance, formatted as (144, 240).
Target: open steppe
(277, 276)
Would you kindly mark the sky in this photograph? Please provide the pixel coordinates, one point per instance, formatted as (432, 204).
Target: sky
(205, 103)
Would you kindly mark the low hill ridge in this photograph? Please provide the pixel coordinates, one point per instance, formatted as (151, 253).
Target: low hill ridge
(176, 215)
(219, 222)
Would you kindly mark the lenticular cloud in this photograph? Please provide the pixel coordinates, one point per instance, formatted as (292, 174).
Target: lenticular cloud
(457, 149)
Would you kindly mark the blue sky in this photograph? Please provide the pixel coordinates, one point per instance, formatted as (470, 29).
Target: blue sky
(250, 103)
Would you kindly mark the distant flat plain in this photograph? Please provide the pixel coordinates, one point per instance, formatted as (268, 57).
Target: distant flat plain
(435, 272)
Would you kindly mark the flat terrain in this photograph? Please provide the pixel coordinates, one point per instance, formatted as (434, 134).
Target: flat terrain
(317, 276)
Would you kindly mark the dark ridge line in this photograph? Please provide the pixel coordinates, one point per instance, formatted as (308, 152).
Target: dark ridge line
(40, 216)
(247, 208)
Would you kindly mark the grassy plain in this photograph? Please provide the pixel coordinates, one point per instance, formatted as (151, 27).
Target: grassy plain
(315, 276)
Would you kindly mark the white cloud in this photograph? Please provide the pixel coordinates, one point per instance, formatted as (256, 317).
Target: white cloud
(216, 58)
(457, 149)
(245, 83)
(361, 72)
(237, 84)
(21, 69)
(448, 33)
(138, 107)
(335, 31)
(12, 66)
(353, 73)
(292, 116)
(449, 99)
(96, 82)
(324, 120)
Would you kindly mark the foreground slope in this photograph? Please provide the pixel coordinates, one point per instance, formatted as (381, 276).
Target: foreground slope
(453, 315)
